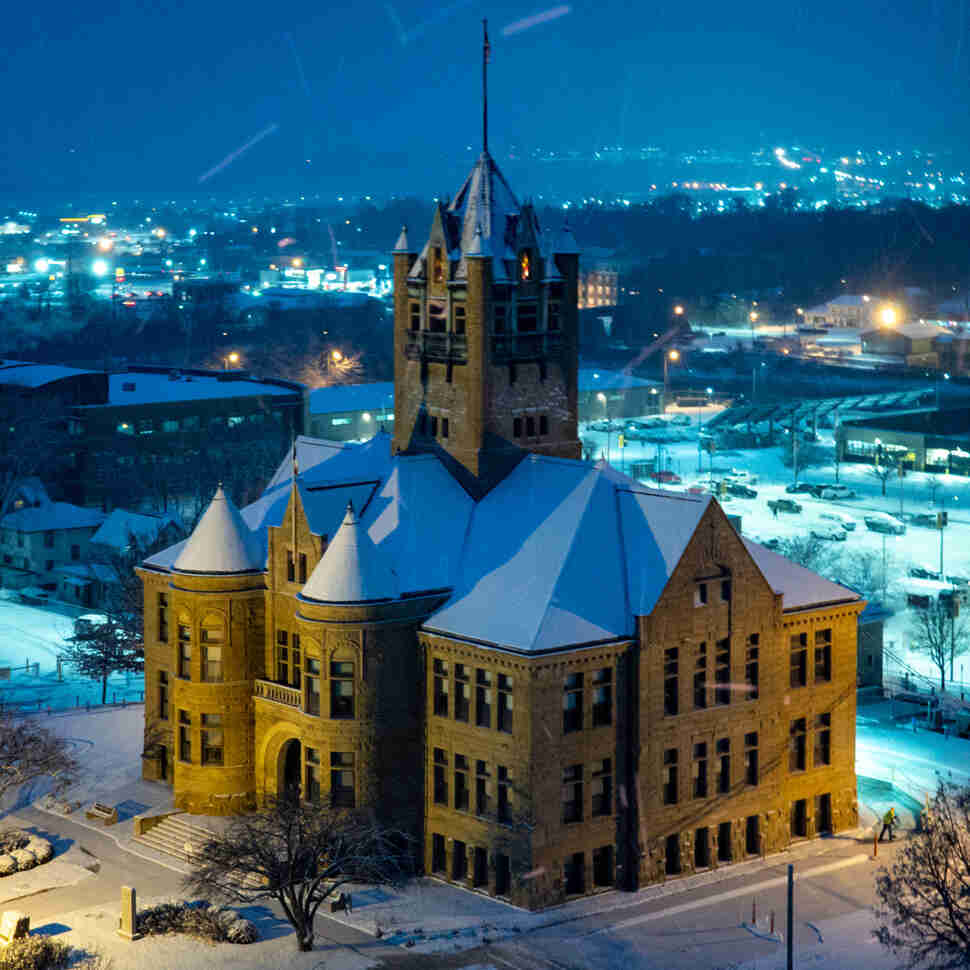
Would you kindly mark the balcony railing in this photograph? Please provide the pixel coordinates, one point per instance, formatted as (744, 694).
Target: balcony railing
(526, 346)
(279, 693)
(425, 345)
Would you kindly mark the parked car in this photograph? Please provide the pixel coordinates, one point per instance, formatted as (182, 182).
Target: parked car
(739, 490)
(784, 505)
(846, 521)
(699, 490)
(680, 419)
(742, 475)
(926, 519)
(666, 477)
(834, 533)
(773, 543)
(837, 492)
(797, 487)
(884, 523)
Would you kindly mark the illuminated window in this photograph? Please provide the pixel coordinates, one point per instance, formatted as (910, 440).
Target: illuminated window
(438, 266)
(525, 266)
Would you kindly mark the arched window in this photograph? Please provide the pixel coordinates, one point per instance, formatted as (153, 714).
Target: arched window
(213, 637)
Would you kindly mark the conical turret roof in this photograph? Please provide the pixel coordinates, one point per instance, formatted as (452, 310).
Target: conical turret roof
(221, 542)
(352, 569)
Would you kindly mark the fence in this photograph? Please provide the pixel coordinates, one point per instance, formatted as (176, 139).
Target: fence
(40, 707)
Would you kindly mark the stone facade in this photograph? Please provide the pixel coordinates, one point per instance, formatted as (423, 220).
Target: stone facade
(713, 724)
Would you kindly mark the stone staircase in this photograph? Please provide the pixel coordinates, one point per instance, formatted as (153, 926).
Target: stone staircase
(175, 837)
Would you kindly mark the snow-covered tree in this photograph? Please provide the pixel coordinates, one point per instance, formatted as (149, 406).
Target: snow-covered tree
(923, 908)
(300, 854)
(101, 648)
(29, 752)
(882, 473)
(938, 634)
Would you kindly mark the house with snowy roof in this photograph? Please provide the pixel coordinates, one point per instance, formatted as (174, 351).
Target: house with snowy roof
(560, 681)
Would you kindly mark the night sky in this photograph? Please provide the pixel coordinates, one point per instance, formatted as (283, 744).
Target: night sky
(140, 97)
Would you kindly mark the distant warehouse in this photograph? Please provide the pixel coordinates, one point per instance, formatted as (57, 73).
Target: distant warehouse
(350, 412)
(920, 440)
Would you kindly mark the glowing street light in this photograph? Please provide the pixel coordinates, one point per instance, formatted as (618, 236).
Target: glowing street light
(42, 265)
(105, 244)
(672, 356)
(297, 262)
(336, 356)
(100, 267)
(887, 315)
(678, 310)
(232, 358)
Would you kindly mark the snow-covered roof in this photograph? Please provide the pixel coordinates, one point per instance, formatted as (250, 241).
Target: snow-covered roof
(23, 374)
(352, 569)
(153, 388)
(376, 397)
(402, 245)
(915, 330)
(51, 517)
(559, 553)
(122, 527)
(221, 542)
(801, 588)
(485, 221)
(84, 573)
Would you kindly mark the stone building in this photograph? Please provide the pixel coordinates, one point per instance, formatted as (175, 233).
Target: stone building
(560, 680)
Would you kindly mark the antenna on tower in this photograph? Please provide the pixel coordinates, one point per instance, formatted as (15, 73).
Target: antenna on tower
(486, 53)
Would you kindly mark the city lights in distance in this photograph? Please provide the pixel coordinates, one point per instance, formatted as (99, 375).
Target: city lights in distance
(42, 265)
(100, 267)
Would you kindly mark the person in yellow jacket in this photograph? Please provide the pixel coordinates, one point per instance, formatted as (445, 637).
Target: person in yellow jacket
(888, 822)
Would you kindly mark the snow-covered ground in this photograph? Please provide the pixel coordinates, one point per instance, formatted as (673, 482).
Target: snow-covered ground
(919, 546)
(36, 635)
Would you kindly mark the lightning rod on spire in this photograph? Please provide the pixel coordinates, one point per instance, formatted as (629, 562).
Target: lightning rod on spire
(486, 53)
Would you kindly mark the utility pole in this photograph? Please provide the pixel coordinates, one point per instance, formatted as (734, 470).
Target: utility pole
(884, 568)
(790, 938)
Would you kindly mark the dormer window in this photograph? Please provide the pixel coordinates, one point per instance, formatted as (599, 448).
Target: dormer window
(525, 266)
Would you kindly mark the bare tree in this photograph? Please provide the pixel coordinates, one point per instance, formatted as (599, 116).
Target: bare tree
(938, 634)
(298, 853)
(29, 752)
(866, 573)
(99, 649)
(32, 434)
(933, 486)
(809, 552)
(510, 833)
(922, 912)
(882, 473)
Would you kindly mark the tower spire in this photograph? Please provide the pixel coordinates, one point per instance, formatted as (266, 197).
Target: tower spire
(486, 53)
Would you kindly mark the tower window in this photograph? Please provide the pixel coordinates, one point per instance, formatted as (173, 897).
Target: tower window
(438, 266)
(530, 427)
(459, 319)
(554, 317)
(525, 266)
(415, 316)
(543, 424)
(499, 318)
(527, 316)
(516, 427)
(434, 426)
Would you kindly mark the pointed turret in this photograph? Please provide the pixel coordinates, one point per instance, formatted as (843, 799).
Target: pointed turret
(402, 245)
(221, 543)
(352, 570)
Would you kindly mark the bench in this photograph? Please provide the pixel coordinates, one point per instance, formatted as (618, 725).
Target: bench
(14, 925)
(102, 813)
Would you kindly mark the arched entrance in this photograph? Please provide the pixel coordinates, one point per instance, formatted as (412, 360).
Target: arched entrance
(289, 768)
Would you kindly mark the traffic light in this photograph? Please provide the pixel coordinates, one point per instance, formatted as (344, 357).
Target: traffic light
(941, 519)
(622, 441)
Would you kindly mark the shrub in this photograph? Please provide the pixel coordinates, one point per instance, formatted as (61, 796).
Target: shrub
(8, 865)
(41, 848)
(196, 919)
(25, 859)
(242, 931)
(35, 953)
(13, 839)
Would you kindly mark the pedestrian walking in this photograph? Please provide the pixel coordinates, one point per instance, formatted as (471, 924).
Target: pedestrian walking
(888, 822)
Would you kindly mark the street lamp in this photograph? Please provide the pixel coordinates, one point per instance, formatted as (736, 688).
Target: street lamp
(753, 318)
(678, 310)
(671, 357)
(232, 358)
(601, 397)
(887, 315)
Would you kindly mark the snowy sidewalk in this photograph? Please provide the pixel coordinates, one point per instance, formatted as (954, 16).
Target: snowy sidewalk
(433, 916)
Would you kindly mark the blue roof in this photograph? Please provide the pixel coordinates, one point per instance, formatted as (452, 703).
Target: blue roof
(595, 379)
(352, 397)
